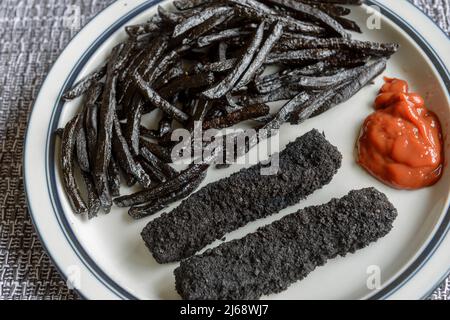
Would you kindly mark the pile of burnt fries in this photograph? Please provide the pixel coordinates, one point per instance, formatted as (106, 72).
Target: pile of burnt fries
(206, 61)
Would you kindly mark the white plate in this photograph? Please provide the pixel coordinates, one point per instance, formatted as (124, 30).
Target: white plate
(106, 258)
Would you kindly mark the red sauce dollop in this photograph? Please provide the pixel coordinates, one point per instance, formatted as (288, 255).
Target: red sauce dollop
(401, 142)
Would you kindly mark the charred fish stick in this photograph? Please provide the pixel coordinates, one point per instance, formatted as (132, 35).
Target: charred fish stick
(306, 165)
(281, 253)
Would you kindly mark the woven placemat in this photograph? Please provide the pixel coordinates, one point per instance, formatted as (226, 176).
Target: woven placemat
(34, 32)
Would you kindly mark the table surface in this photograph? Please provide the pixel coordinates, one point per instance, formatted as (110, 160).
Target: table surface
(34, 32)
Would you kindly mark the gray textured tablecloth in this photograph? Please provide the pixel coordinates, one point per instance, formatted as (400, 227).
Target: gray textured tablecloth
(33, 33)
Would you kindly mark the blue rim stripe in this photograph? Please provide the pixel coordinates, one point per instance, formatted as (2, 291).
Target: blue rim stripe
(50, 167)
(428, 17)
(444, 227)
(121, 292)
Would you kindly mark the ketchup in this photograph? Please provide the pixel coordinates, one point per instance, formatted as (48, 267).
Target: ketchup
(401, 142)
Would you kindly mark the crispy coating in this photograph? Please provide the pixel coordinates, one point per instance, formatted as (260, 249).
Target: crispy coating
(285, 251)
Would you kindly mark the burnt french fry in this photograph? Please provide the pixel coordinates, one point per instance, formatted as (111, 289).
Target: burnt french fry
(140, 29)
(114, 178)
(260, 57)
(222, 51)
(165, 63)
(275, 95)
(202, 108)
(164, 189)
(313, 13)
(302, 112)
(372, 48)
(124, 55)
(199, 18)
(284, 114)
(227, 84)
(254, 4)
(83, 85)
(91, 120)
(325, 82)
(371, 71)
(154, 98)
(139, 212)
(288, 22)
(191, 36)
(166, 169)
(104, 139)
(143, 67)
(175, 72)
(349, 2)
(154, 173)
(222, 35)
(348, 24)
(219, 66)
(296, 80)
(159, 151)
(298, 56)
(165, 125)
(81, 145)
(131, 131)
(189, 4)
(93, 204)
(67, 165)
(246, 113)
(125, 159)
(87, 128)
(187, 82)
(333, 10)
(169, 17)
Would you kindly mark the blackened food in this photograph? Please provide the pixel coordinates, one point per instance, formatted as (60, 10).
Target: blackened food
(373, 48)
(184, 177)
(225, 34)
(197, 19)
(246, 113)
(68, 165)
(81, 145)
(125, 158)
(141, 211)
(114, 178)
(132, 127)
(260, 57)
(104, 139)
(285, 251)
(84, 84)
(93, 203)
(289, 23)
(158, 101)
(306, 165)
(314, 13)
(242, 64)
(207, 61)
(300, 56)
(349, 90)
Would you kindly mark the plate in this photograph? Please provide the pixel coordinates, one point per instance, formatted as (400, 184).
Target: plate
(106, 258)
